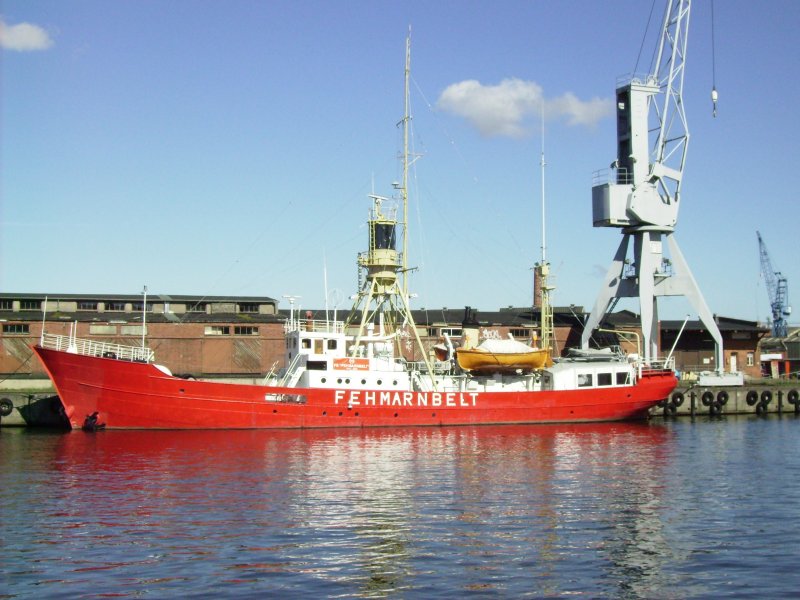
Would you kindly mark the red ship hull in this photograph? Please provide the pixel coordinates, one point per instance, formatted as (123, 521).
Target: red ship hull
(131, 395)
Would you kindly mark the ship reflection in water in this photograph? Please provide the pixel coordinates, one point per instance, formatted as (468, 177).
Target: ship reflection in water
(543, 510)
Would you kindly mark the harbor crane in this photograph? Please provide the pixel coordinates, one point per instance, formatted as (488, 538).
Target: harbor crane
(641, 191)
(778, 290)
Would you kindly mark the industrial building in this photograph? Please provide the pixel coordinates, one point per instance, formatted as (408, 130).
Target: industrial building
(243, 337)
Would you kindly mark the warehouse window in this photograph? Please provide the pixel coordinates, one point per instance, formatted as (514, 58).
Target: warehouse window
(520, 333)
(6, 305)
(16, 328)
(199, 307)
(87, 305)
(115, 306)
(248, 307)
(217, 330)
(751, 359)
(245, 330)
(30, 304)
(451, 331)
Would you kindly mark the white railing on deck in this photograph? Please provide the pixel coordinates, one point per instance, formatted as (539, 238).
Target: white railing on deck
(657, 365)
(318, 326)
(75, 345)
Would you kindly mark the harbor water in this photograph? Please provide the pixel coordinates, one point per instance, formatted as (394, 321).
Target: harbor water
(703, 508)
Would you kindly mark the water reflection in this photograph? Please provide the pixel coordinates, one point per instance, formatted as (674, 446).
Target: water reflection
(503, 510)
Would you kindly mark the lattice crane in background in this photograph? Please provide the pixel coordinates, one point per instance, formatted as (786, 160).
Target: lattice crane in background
(641, 191)
(778, 290)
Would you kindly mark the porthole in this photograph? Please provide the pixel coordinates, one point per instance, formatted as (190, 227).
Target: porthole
(363, 382)
(347, 380)
(339, 380)
(324, 379)
(380, 382)
(394, 382)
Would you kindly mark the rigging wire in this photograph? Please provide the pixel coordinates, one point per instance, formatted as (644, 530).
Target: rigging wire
(644, 37)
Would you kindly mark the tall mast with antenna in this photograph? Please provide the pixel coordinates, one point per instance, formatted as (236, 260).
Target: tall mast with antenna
(382, 298)
(404, 191)
(544, 229)
(543, 270)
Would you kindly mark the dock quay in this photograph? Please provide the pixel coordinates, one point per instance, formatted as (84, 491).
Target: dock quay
(31, 409)
(751, 398)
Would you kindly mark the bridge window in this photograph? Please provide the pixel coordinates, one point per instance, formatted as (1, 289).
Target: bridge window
(622, 378)
(584, 380)
(603, 379)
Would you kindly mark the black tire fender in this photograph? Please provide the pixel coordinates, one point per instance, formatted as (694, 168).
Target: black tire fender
(751, 398)
(793, 397)
(707, 398)
(677, 399)
(722, 398)
(6, 406)
(766, 397)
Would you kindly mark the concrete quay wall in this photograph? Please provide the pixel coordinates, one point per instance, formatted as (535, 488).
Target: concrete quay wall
(750, 398)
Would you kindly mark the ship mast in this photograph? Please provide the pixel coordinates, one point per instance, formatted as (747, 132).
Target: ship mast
(542, 271)
(404, 189)
(381, 300)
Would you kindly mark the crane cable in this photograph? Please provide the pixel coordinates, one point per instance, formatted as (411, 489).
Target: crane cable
(714, 95)
(644, 39)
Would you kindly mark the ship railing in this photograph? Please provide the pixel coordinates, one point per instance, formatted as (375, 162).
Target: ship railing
(657, 365)
(74, 345)
(314, 325)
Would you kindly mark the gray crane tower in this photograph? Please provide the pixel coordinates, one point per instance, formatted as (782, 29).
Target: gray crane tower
(778, 290)
(641, 191)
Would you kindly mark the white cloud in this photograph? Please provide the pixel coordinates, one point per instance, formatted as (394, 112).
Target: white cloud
(505, 109)
(23, 37)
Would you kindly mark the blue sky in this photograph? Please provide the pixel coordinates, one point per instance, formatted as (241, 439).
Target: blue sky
(227, 148)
